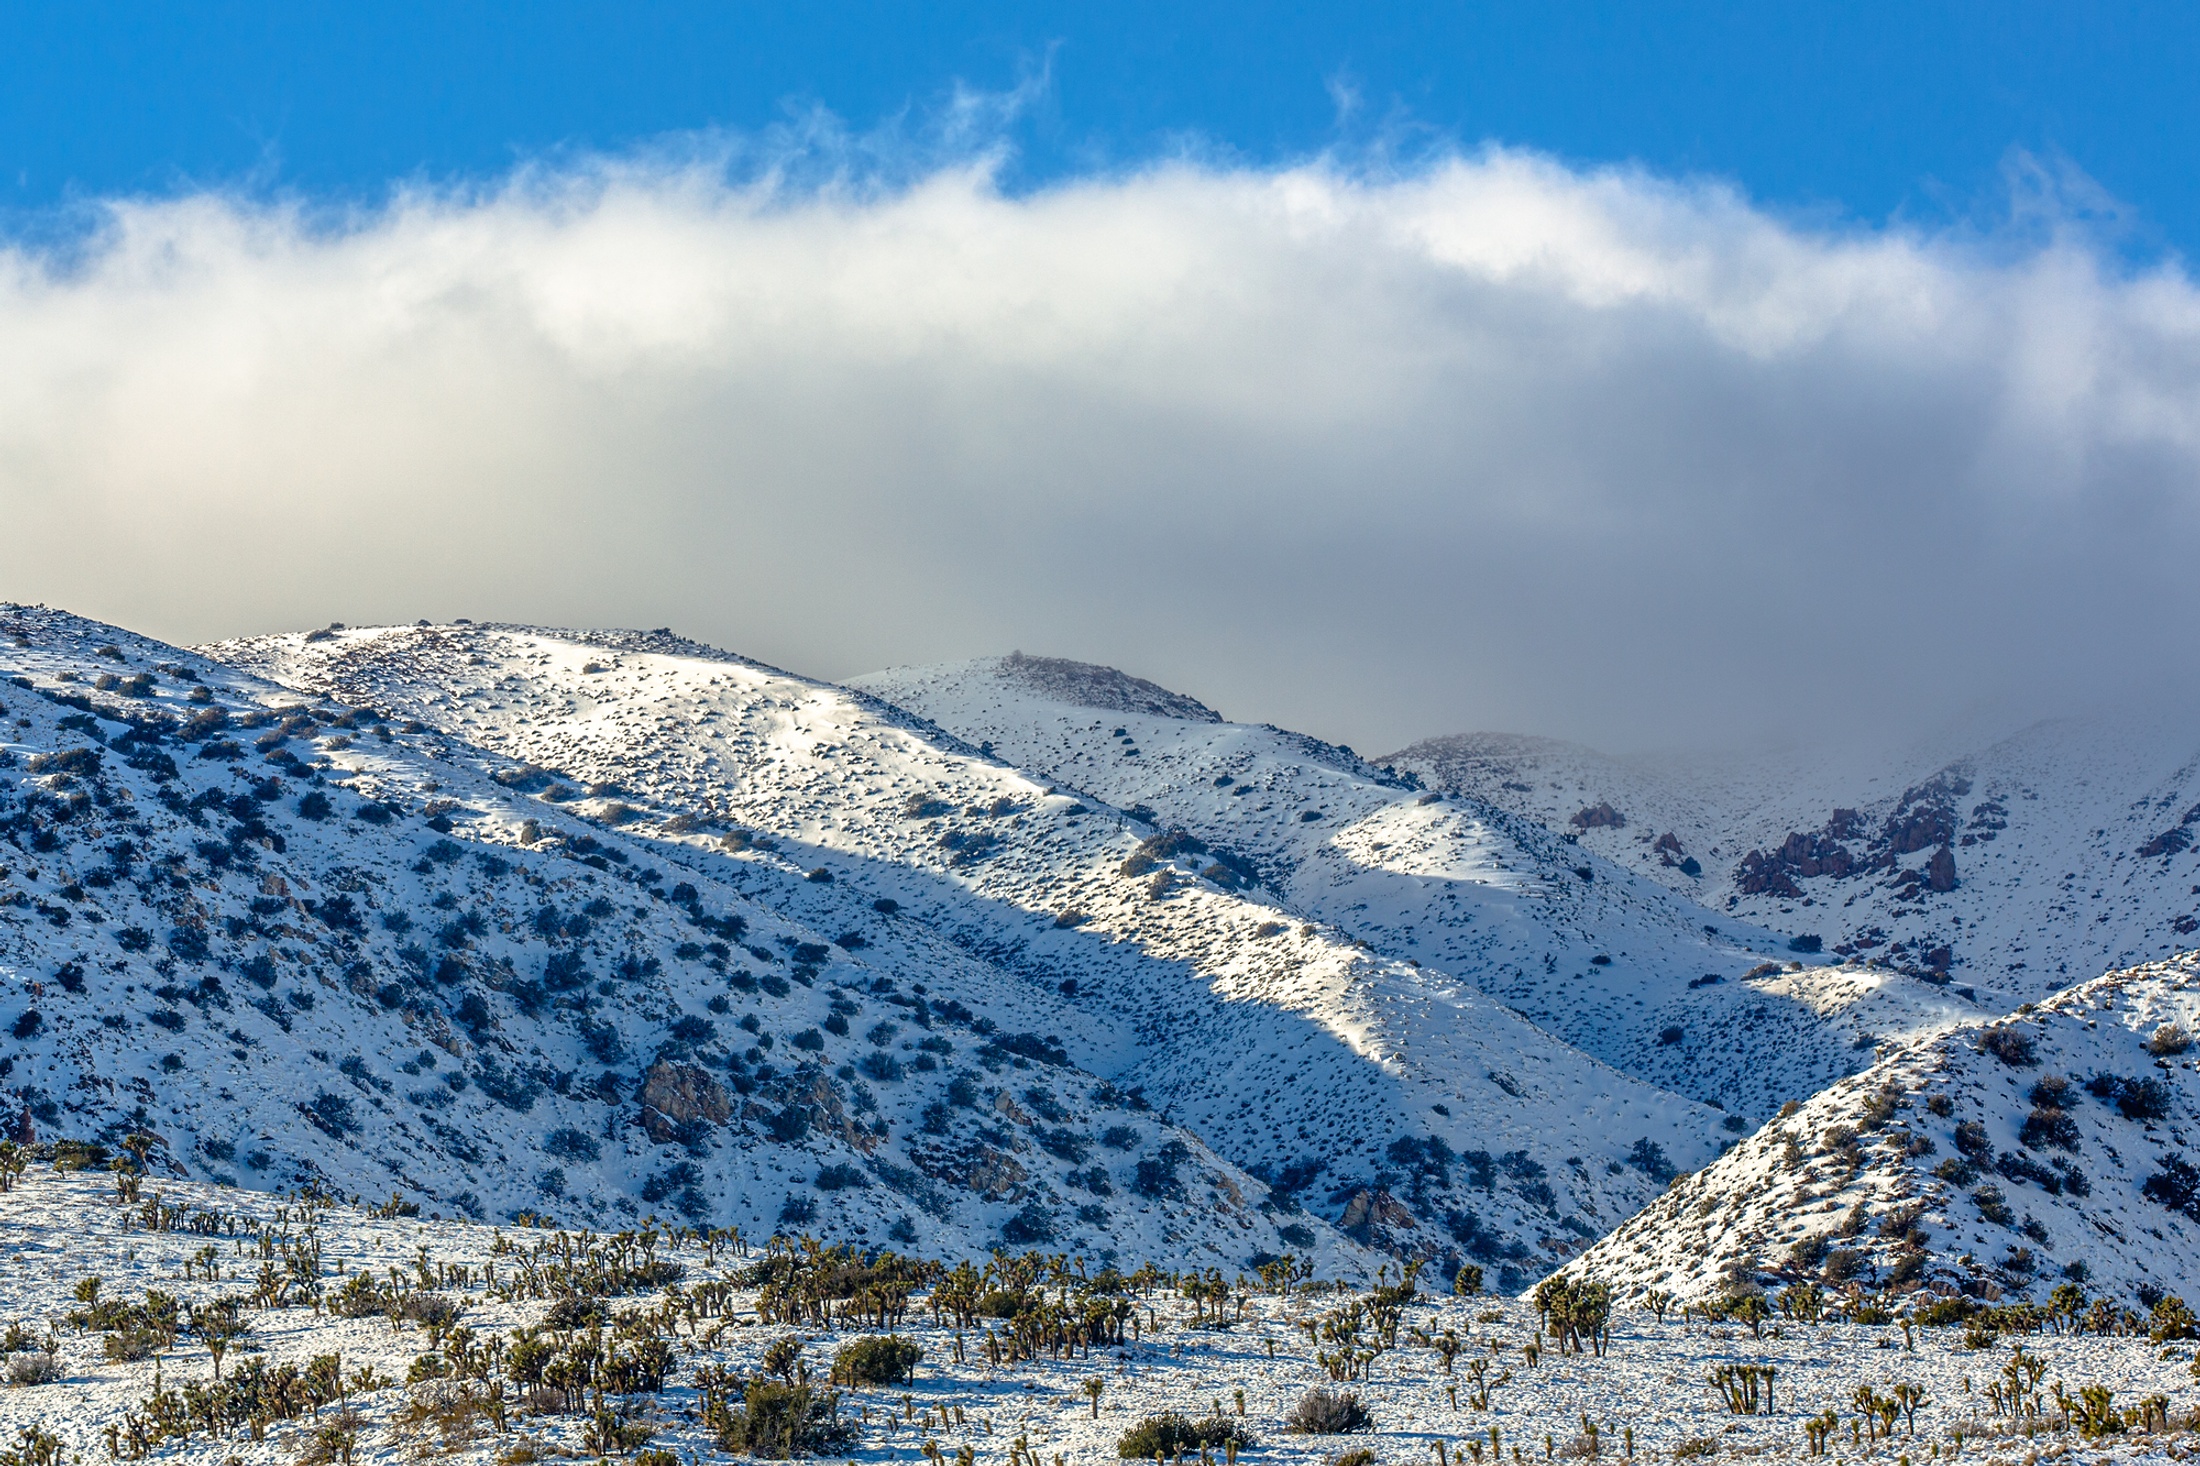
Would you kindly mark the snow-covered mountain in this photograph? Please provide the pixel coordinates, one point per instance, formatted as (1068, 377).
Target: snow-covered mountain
(1022, 950)
(296, 941)
(2001, 1157)
(1613, 962)
(2024, 865)
(1395, 1098)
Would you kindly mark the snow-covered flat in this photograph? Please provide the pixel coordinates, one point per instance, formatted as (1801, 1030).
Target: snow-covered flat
(1649, 1394)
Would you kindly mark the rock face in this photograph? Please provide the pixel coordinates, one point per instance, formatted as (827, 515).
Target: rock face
(1940, 871)
(677, 1097)
(1092, 686)
(1599, 816)
(1371, 1213)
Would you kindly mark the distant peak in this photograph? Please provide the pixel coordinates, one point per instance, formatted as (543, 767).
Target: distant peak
(1090, 686)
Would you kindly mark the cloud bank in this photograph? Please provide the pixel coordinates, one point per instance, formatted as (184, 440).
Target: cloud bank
(1488, 444)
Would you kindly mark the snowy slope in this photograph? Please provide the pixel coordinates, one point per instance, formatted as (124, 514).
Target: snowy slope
(1608, 960)
(1394, 1098)
(2024, 864)
(2001, 1158)
(301, 942)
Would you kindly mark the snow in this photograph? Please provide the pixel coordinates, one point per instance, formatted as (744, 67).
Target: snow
(1652, 1381)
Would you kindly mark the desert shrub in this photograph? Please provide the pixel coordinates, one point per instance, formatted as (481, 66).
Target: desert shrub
(1327, 1412)
(1943, 1312)
(1993, 1206)
(841, 1177)
(780, 1421)
(575, 1311)
(1973, 1141)
(2170, 1038)
(35, 1368)
(2049, 1126)
(1171, 1434)
(429, 1310)
(879, 1359)
(572, 1145)
(2176, 1185)
(2143, 1099)
(2013, 1046)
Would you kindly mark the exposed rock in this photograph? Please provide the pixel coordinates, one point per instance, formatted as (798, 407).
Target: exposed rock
(975, 1166)
(1599, 816)
(1090, 686)
(1927, 814)
(1940, 871)
(2169, 842)
(1369, 1210)
(676, 1098)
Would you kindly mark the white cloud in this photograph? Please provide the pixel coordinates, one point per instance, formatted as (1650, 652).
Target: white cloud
(1492, 443)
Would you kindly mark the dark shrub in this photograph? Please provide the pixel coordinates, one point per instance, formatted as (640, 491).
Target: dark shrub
(887, 1359)
(809, 1039)
(28, 1025)
(1171, 1435)
(841, 1177)
(782, 1422)
(2013, 1046)
(2048, 1126)
(1032, 1225)
(1325, 1412)
(1972, 1141)
(2143, 1099)
(694, 1030)
(331, 1114)
(2019, 1167)
(572, 1145)
(2176, 1185)
(313, 806)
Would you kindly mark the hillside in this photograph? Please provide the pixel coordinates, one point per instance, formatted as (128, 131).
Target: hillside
(1999, 1158)
(2023, 865)
(1396, 1100)
(1622, 968)
(296, 942)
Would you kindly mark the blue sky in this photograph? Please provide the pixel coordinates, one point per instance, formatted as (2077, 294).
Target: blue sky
(1860, 111)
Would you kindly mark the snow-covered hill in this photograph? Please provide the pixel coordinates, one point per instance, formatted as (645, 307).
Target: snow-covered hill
(2023, 865)
(1616, 964)
(293, 941)
(1394, 1097)
(2001, 1157)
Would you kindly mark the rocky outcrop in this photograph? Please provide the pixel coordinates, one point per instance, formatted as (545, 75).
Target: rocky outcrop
(1372, 1214)
(677, 1099)
(1599, 816)
(1086, 685)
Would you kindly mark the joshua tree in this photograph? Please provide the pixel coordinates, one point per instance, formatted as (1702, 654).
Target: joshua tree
(1093, 1387)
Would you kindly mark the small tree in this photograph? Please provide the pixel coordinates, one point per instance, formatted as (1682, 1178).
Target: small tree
(218, 1327)
(1093, 1387)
